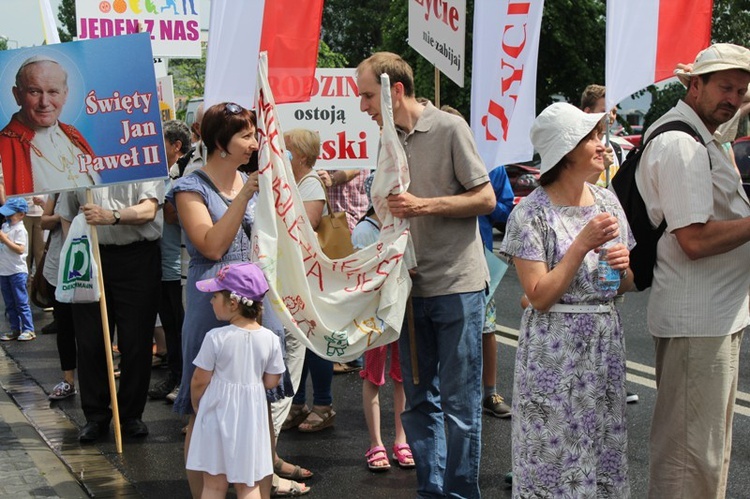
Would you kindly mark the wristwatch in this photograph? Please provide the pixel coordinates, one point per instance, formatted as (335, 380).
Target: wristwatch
(116, 214)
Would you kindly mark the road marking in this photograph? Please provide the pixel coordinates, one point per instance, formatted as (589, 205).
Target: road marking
(509, 336)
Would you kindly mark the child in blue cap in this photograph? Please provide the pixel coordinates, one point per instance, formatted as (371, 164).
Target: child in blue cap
(13, 271)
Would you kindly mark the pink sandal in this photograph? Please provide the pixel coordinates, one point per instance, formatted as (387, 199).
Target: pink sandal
(402, 454)
(377, 454)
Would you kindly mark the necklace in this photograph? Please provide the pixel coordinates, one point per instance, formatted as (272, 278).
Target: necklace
(232, 191)
(67, 160)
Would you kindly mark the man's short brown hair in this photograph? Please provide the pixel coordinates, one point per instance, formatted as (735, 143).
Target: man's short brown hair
(397, 69)
(591, 95)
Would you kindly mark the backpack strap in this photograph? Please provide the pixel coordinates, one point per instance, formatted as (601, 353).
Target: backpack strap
(677, 126)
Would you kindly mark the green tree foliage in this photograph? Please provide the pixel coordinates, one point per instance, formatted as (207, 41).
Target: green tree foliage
(354, 28)
(571, 49)
(67, 16)
(327, 58)
(731, 22)
(3, 44)
(189, 75)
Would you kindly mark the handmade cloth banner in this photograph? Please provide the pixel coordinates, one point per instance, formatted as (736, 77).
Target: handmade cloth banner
(337, 308)
(503, 80)
(647, 38)
(289, 30)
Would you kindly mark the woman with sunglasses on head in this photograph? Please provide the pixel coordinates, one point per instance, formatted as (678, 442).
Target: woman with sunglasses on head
(569, 433)
(216, 205)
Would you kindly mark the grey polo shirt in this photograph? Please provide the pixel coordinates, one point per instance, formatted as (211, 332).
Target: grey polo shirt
(118, 197)
(707, 296)
(443, 161)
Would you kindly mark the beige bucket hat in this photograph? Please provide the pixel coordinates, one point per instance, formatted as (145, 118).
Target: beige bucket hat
(717, 57)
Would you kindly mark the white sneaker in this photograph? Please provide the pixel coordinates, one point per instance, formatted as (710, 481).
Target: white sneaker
(631, 398)
(172, 396)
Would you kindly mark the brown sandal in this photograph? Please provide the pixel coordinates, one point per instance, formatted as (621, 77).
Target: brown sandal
(294, 489)
(319, 418)
(297, 414)
(298, 473)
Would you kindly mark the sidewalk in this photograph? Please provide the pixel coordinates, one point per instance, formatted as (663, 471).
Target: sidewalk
(28, 467)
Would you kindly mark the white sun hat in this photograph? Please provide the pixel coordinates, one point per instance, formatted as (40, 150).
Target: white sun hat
(558, 130)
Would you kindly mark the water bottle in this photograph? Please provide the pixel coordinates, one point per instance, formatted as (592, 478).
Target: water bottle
(608, 279)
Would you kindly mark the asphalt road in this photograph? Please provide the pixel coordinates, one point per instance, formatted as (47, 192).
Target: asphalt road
(336, 455)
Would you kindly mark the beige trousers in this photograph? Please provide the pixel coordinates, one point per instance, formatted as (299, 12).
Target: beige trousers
(691, 431)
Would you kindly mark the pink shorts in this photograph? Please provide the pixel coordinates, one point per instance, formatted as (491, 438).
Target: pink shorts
(374, 370)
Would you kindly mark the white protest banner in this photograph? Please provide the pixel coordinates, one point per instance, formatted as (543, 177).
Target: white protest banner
(437, 30)
(503, 79)
(175, 30)
(337, 308)
(165, 91)
(349, 138)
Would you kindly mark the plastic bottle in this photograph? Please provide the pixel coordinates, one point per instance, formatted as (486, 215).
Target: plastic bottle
(608, 279)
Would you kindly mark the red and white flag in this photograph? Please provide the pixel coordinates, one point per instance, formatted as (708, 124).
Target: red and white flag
(289, 30)
(503, 80)
(647, 38)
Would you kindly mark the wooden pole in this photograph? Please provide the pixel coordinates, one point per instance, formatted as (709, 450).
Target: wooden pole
(412, 341)
(437, 87)
(105, 330)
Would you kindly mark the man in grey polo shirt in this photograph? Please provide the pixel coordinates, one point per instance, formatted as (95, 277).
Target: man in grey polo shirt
(129, 224)
(698, 305)
(449, 188)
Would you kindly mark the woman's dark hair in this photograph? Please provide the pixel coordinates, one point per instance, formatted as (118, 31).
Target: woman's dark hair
(253, 311)
(221, 122)
(551, 175)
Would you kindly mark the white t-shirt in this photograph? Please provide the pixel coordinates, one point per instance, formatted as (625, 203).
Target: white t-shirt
(365, 233)
(11, 262)
(311, 189)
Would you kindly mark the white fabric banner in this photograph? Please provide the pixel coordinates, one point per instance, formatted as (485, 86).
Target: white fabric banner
(630, 53)
(51, 34)
(503, 80)
(437, 30)
(232, 56)
(337, 308)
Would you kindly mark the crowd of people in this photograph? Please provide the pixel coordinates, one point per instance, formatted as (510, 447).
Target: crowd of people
(239, 377)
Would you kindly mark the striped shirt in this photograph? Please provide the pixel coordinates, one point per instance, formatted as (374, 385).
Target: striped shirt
(708, 296)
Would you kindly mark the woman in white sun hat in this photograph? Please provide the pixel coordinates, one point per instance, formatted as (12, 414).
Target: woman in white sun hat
(569, 429)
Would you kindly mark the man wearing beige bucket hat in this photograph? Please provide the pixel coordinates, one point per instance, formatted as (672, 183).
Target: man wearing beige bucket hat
(698, 305)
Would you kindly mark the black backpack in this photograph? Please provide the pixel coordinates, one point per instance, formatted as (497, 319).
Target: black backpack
(643, 256)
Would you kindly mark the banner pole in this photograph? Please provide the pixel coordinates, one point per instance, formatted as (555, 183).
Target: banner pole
(437, 87)
(105, 331)
(412, 341)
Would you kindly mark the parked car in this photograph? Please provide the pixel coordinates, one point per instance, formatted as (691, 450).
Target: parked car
(741, 149)
(523, 177)
(634, 138)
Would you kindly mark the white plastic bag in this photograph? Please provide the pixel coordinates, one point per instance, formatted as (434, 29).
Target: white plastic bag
(77, 275)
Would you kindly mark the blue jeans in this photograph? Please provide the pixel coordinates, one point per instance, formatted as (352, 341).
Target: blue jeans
(447, 401)
(321, 372)
(16, 300)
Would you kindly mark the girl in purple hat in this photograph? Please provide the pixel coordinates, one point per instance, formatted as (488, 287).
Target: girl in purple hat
(236, 364)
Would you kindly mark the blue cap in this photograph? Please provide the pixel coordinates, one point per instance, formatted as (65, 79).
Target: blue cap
(14, 205)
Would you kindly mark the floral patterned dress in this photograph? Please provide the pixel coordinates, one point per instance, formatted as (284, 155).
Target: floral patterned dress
(569, 428)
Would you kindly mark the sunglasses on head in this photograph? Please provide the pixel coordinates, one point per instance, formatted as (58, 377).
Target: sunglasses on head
(232, 108)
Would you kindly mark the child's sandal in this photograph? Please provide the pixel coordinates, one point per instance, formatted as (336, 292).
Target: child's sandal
(377, 454)
(403, 456)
